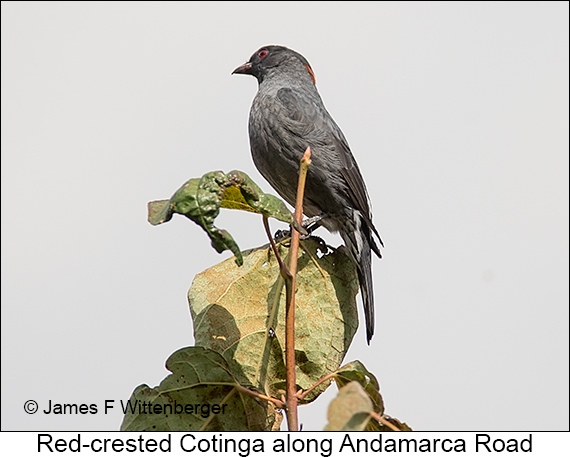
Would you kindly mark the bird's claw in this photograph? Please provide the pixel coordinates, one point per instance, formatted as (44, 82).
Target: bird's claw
(281, 235)
(310, 224)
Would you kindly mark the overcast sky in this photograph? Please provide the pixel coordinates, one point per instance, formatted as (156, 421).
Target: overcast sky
(456, 112)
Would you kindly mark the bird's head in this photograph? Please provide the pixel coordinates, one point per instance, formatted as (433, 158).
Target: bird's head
(271, 60)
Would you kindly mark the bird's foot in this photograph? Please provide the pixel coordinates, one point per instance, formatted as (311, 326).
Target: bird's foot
(281, 235)
(310, 224)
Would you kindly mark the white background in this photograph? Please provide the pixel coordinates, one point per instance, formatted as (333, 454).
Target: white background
(456, 112)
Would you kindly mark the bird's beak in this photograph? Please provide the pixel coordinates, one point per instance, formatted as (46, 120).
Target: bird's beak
(244, 69)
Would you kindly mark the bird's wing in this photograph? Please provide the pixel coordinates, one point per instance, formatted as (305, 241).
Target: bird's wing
(307, 116)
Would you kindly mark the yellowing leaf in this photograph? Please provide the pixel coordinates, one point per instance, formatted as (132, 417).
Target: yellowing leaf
(233, 310)
(350, 410)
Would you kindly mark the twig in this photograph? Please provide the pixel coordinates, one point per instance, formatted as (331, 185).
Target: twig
(302, 395)
(276, 401)
(385, 422)
(292, 416)
(282, 267)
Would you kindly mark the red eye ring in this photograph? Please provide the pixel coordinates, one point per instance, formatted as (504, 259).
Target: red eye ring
(262, 53)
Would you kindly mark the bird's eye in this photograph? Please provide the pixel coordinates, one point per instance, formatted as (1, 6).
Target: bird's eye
(262, 53)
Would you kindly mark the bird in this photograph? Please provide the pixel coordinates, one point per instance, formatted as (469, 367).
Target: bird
(287, 115)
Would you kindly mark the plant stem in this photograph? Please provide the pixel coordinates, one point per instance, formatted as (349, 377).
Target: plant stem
(292, 400)
(245, 390)
(282, 267)
(385, 422)
(301, 395)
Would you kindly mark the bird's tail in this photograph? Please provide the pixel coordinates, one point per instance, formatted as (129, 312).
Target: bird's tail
(359, 243)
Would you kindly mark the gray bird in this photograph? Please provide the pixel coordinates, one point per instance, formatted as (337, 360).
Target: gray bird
(287, 116)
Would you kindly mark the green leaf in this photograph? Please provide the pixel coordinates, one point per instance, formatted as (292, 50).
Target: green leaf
(256, 200)
(356, 371)
(159, 211)
(200, 200)
(350, 410)
(234, 308)
(187, 398)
